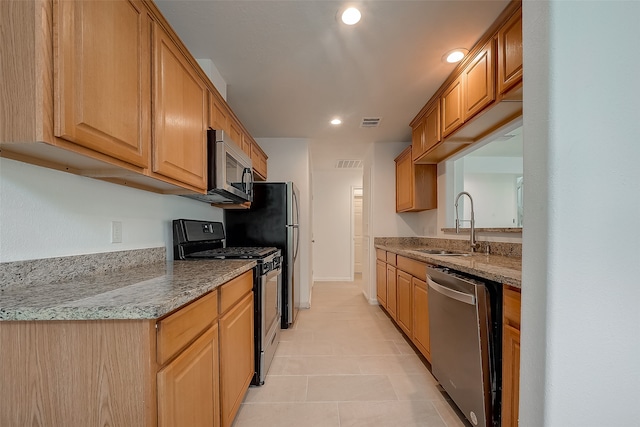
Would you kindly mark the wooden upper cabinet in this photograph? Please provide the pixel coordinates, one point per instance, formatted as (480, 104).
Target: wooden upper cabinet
(478, 82)
(181, 97)
(259, 161)
(417, 140)
(235, 133)
(427, 134)
(510, 53)
(416, 184)
(404, 181)
(432, 133)
(452, 107)
(102, 73)
(218, 114)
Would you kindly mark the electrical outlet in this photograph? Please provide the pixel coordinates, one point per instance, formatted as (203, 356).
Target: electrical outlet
(116, 232)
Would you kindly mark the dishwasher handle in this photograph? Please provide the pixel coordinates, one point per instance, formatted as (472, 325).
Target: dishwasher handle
(451, 293)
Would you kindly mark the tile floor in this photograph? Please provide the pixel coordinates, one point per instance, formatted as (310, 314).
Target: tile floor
(343, 364)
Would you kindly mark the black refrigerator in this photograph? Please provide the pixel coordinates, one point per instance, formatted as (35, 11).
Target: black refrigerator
(272, 220)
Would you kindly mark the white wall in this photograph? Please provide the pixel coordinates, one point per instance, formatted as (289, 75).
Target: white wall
(46, 213)
(332, 225)
(580, 350)
(289, 161)
(379, 213)
(494, 200)
(214, 75)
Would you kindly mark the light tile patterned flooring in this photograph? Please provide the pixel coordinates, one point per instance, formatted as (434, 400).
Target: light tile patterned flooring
(344, 364)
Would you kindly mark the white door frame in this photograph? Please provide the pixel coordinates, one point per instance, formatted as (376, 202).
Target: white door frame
(355, 190)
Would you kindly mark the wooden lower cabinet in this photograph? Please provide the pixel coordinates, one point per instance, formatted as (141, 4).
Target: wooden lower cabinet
(510, 356)
(404, 301)
(78, 373)
(236, 357)
(190, 368)
(188, 388)
(406, 293)
(381, 282)
(420, 336)
(391, 292)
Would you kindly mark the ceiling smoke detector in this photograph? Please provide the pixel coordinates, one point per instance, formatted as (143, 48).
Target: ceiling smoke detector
(349, 164)
(370, 122)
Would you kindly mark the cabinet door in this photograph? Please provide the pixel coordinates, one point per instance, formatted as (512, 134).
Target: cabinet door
(420, 335)
(236, 357)
(180, 139)
(416, 184)
(404, 303)
(404, 181)
(511, 303)
(510, 375)
(392, 302)
(381, 282)
(259, 161)
(217, 114)
(417, 140)
(102, 77)
(246, 145)
(478, 85)
(432, 134)
(510, 53)
(452, 107)
(188, 393)
(235, 133)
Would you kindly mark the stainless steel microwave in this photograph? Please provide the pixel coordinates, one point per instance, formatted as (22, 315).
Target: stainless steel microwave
(230, 175)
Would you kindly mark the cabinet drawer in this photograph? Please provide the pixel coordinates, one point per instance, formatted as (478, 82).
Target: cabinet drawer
(182, 327)
(415, 268)
(232, 291)
(391, 258)
(381, 255)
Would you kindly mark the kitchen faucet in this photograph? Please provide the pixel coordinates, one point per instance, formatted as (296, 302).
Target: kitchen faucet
(472, 243)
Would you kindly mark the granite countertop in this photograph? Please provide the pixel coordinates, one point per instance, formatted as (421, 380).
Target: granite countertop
(144, 292)
(502, 269)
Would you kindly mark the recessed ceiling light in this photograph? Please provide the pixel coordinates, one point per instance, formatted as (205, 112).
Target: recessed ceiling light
(351, 16)
(455, 55)
(336, 122)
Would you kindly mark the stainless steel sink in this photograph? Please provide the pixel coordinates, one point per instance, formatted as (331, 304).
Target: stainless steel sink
(442, 252)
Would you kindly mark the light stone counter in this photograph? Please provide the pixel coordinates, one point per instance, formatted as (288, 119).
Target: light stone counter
(498, 268)
(143, 292)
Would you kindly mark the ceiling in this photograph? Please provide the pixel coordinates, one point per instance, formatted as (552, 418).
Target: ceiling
(291, 66)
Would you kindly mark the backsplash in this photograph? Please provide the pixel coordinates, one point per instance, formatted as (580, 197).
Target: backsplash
(67, 268)
(495, 248)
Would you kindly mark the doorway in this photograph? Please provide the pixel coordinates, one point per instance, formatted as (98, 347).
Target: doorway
(356, 214)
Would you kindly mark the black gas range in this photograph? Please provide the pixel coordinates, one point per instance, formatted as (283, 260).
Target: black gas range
(197, 240)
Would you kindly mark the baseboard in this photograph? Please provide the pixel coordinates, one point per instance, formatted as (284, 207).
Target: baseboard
(333, 279)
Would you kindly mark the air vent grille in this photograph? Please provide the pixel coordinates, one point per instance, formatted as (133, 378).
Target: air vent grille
(505, 137)
(370, 122)
(349, 164)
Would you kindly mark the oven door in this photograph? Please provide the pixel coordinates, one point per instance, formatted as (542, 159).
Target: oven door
(271, 314)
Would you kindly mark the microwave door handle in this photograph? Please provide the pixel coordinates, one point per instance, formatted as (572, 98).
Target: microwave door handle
(247, 185)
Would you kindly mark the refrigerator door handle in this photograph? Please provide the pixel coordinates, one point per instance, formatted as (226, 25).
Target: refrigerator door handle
(297, 218)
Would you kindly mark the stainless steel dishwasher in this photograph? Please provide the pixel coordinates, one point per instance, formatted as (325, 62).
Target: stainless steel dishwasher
(465, 333)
